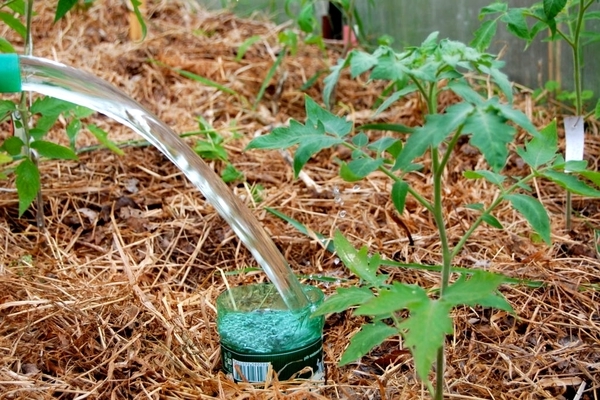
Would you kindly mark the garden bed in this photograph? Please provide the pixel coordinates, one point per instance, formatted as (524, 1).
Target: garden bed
(116, 297)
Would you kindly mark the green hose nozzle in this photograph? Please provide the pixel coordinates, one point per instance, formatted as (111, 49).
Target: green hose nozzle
(10, 73)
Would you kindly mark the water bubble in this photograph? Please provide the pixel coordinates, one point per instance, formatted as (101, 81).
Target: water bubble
(356, 188)
(336, 190)
(338, 281)
(336, 261)
(342, 214)
(337, 199)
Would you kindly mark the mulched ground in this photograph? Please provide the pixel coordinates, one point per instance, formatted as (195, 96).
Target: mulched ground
(115, 299)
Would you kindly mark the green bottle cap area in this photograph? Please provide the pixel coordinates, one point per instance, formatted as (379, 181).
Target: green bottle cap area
(10, 73)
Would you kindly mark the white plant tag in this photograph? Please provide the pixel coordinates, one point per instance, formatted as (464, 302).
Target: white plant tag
(574, 136)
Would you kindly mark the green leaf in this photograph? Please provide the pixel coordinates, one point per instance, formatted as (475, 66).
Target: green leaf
(437, 127)
(361, 62)
(553, 7)
(139, 17)
(344, 299)
(394, 97)
(398, 297)
(13, 23)
(516, 116)
(494, 8)
(362, 342)
(571, 183)
(241, 51)
(479, 289)
(73, 129)
(7, 106)
(102, 137)
(534, 212)
(387, 127)
(231, 174)
(466, 91)
(425, 331)
(357, 261)
(270, 73)
(5, 158)
(339, 126)
(63, 8)
(332, 79)
(53, 150)
(50, 106)
(361, 167)
(491, 135)
(6, 47)
(484, 35)
(389, 68)
(516, 23)
(382, 144)
(28, 184)
(492, 221)
(597, 110)
(399, 192)
(541, 149)
(13, 145)
(306, 18)
(492, 177)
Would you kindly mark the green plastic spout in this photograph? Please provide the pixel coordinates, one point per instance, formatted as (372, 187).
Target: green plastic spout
(10, 73)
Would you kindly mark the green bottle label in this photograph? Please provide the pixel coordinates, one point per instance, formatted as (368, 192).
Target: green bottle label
(254, 367)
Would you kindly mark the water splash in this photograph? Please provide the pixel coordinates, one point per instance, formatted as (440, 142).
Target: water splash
(79, 87)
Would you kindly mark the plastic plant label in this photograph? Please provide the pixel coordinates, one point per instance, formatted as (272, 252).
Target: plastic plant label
(574, 135)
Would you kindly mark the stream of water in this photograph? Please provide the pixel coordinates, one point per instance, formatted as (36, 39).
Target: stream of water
(79, 87)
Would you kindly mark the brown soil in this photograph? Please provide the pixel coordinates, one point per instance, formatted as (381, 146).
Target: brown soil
(115, 298)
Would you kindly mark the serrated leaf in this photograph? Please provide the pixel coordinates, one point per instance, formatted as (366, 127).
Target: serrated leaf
(516, 23)
(534, 212)
(50, 106)
(399, 192)
(516, 116)
(53, 150)
(332, 79)
(102, 137)
(398, 297)
(382, 144)
(231, 174)
(389, 68)
(542, 148)
(492, 177)
(388, 127)
(6, 106)
(424, 332)
(553, 7)
(484, 35)
(491, 135)
(478, 289)
(357, 262)
(361, 62)
(571, 183)
(393, 98)
(437, 127)
(496, 7)
(310, 146)
(28, 184)
(369, 336)
(466, 91)
(13, 23)
(344, 299)
(63, 8)
(333, 124)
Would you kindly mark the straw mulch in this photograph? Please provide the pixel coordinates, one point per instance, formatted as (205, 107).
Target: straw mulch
(115, 299)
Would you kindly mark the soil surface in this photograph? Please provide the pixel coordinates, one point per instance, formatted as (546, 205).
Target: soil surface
(115, 297)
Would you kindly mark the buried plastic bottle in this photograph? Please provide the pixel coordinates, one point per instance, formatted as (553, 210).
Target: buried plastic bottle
(259, 332)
